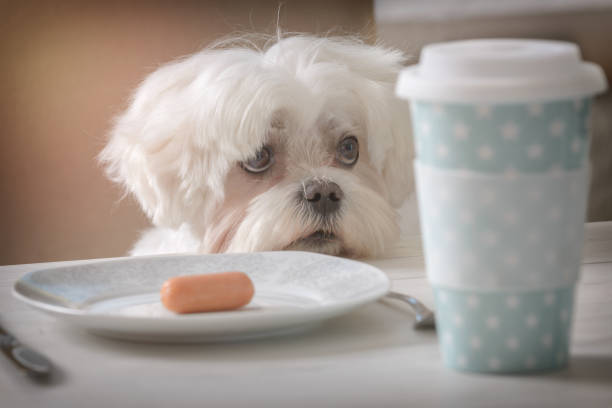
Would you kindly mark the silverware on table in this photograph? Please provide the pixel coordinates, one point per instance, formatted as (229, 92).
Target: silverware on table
(424, 318)
(25, 358)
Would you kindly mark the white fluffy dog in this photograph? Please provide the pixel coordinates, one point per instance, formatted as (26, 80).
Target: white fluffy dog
(301, 145)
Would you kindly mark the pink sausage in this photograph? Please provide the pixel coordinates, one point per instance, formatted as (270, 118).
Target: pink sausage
(207, 292)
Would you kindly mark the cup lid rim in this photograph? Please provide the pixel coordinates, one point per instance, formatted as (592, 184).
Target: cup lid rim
(504, 70)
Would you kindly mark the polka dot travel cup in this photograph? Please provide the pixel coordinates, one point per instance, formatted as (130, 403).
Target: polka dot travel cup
(501, 130)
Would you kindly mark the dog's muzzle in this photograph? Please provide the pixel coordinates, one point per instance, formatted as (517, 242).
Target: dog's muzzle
(322, 196)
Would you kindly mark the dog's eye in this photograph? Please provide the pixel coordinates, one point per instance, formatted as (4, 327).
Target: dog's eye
(261, 162)
(348, 151)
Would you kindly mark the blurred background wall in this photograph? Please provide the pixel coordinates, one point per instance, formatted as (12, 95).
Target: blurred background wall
(68, 67)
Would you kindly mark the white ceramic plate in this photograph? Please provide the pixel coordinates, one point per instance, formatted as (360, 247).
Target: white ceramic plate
(120, 298)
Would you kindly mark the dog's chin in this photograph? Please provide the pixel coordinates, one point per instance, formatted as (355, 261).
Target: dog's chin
(319, 241)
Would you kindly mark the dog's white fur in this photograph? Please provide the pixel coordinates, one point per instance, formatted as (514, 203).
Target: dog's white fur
(178, 146)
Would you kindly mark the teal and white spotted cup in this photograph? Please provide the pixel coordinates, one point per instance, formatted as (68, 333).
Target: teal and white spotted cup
(501, 105)
(503, 255)
(504, 331)
(503, 138)
(501, 129)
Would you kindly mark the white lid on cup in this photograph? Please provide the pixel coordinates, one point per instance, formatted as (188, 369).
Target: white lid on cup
(500, 70)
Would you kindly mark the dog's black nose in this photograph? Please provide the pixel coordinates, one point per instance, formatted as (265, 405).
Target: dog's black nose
(323, 196)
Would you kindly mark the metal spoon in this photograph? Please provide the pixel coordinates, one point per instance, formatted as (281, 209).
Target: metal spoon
(425, 318)
(25, 358)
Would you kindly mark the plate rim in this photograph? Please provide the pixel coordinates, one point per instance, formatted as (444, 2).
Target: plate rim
(74, 315)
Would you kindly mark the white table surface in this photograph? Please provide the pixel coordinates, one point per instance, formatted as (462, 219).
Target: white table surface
(369, 358)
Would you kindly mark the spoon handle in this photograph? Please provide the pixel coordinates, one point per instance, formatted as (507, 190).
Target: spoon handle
(23, 357)
(425, 318)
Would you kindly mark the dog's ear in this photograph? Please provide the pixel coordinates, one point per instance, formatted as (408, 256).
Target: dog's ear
(154, 150)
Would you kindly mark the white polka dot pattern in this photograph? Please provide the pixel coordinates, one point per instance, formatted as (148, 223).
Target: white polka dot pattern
(502, 191)
(519, 332)
(498, 137)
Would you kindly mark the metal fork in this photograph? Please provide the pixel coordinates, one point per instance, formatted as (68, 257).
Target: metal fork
(424, 318)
